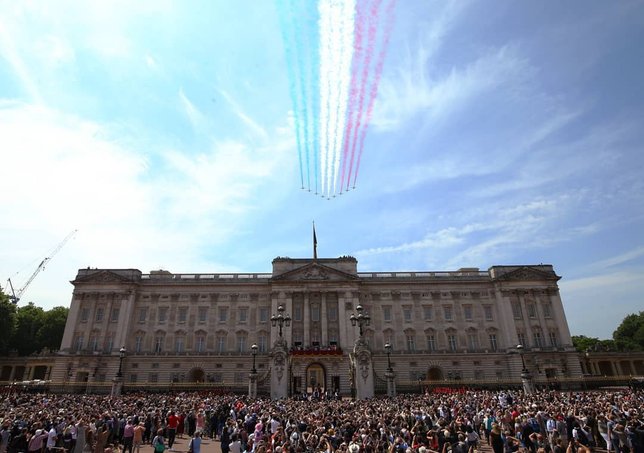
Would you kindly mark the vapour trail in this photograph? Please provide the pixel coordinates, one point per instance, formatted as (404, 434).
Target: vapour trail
(389, 23)
(325, 88)
(372, 20)
(284, 14)
(358, 52)
(343, 76)
(301, 60)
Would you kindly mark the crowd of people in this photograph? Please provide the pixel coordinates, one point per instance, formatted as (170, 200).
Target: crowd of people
(460, 422)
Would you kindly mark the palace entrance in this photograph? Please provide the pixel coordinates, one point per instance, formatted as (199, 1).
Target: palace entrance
(315, 379)
(435, 374)
(196, 375)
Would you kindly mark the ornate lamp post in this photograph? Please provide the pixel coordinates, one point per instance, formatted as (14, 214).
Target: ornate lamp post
(253, 350)
(122, 352)
(279, 357)
(280, 319)
(388, 351)
(389, 374)
(361, 319)
(117, 382)
(526, 377)
(252, 377)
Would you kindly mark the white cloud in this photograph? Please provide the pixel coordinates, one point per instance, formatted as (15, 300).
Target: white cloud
(245, 118)
(411, 92)
(64, 173)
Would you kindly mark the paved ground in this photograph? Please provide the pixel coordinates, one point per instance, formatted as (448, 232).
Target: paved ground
(181, 446)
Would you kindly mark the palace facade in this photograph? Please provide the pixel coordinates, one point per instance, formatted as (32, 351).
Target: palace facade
(182, 330)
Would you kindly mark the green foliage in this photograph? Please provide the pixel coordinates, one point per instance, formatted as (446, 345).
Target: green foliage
(50, 334)
(28, 329)
(629, 335)
(583, 343)
(7, 322)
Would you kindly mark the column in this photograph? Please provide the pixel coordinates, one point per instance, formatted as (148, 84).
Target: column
(70, 325)
(126, 314)
(306, 341)
(343, 316)
(288, 307)
(614, 367)
(324, 321)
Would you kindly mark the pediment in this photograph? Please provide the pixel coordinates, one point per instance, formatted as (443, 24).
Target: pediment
(102, 276)
(526, 273)
(315, 272)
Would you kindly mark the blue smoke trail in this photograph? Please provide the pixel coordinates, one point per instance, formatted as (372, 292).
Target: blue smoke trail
(286, 19)
(302, 63)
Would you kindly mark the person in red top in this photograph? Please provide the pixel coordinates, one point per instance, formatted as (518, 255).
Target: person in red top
(173, 422)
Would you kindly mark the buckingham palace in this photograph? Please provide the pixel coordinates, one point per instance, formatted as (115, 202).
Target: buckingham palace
(314, 325)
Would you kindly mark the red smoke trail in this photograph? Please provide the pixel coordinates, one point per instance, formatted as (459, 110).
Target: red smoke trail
(371, 43)
(351, 102)
(389, 18)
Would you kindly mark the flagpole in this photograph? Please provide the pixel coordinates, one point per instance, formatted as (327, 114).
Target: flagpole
(315, 244)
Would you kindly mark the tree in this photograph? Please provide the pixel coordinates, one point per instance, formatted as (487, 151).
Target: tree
(50, 334)
(583, 343)
(29, 319)
(629, 335)
(7, 322)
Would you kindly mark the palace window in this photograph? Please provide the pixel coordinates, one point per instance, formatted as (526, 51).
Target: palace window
(315, 313)
(427, 313)
(93, 343)
(243, 314)
(516, 310)
(158, 344)
(223, 314)
(453, 342)
(411, 342)
(263, 314)
(333, 313)
(472, 341)
(100, 312)
(386, 313)
(138, 344)
(487, 309)
(182, 315)
(179, 344)
(109, 342)
(241, 343)
(79, 342)
(447, 313)
(202, 314)
(493, 343)
(262, 342)
(163, 314)
(221, 343)
(297, 312)
(547, 310)
(538, 340)
(532, 312)
(143, 314)
(200, 343)
(553, 338)
(522, 339)
(84, 314)
(431, 343)
(407, 314)
(467, 312)
(115, 315)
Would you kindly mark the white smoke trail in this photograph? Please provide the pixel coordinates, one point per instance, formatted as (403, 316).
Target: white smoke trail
(336, 51)
(345, 55)
(326, 22)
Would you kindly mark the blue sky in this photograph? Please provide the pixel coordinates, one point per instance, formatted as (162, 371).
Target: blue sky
(503, 133)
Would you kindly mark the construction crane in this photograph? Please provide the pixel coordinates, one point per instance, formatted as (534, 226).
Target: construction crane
(15, 296)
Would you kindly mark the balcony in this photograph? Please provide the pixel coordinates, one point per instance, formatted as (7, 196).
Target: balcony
(316, 351)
